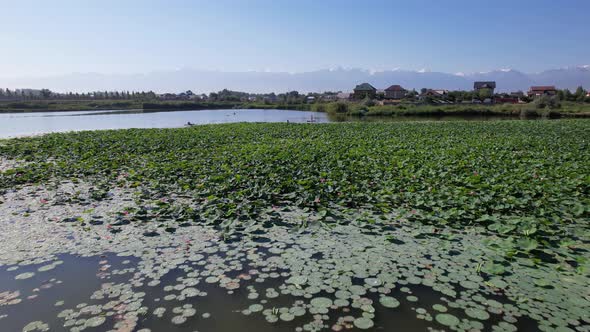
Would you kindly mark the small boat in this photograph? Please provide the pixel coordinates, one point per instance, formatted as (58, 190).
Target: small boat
(312, 120)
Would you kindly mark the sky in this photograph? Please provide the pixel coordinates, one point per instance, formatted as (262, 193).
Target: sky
(58, 37)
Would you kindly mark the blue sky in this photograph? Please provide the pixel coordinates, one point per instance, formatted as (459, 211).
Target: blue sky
(41, 38)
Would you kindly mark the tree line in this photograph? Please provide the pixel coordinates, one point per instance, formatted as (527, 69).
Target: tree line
(46, 94)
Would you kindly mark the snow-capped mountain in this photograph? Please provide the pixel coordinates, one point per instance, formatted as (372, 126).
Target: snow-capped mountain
(338, 79)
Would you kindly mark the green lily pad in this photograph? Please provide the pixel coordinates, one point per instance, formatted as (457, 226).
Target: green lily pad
(447, 320)
(363, 323)
(389, 302)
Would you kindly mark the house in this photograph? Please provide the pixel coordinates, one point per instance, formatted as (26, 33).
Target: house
(389, 102)
(539, 91)
(484, 86)
(168, 96)
(435, 93)
(434, 96)
(507, 100)
(365, 90)
(329, 96)
(395, 92)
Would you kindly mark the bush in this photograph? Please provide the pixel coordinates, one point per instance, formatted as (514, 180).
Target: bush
(319, 107)
(547, 102)
(368, 102)
(338, 107)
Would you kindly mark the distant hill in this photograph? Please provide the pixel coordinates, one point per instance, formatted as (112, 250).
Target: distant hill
(203, 81)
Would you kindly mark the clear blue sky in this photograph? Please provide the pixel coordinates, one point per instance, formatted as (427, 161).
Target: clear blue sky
(136, 36)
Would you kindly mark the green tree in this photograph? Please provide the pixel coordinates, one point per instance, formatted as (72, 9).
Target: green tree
(46, 93)
(550, 102)
(567, 95)
(580, 94)
(561, 94)
(485, 94)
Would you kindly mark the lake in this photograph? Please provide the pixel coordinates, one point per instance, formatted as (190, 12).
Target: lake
(25, 124)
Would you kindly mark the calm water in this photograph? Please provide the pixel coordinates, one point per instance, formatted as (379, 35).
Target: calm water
(19, 124)
(23, 124)
(80, 277)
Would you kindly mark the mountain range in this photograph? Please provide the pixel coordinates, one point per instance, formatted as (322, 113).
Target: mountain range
(340, 79)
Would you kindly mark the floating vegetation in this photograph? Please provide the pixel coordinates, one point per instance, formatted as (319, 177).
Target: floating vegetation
(36, 326)
(389, 302)
(447, 320)
(9, 298)
(455, 226)
(363, 323)
(24, 276)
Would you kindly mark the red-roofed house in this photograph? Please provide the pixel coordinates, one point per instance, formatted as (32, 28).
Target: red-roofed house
(539, 91)
(395, 92)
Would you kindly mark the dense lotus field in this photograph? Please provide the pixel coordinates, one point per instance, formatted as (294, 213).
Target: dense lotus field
(467, 226)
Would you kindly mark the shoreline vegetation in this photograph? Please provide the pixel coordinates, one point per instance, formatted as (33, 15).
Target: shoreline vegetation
(348, 108)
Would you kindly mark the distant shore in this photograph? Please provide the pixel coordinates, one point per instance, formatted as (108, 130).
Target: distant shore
(573, 110)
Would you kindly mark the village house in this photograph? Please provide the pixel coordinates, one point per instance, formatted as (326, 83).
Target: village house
(539, 91)
(438, 96)
(395, 92)
(365, 90)
(329, 96)
(168, 96)
(440, 93)
(507, 100)
(479, 86)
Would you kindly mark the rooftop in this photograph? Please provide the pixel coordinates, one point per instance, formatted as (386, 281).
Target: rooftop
(542, 88)
(364, 87)
(395, 88)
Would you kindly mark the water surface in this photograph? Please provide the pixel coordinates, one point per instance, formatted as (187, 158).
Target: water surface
(25, 124)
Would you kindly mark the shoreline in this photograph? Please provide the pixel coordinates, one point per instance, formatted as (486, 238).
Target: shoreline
(527, 114)
(410, 119)
(348, 108)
